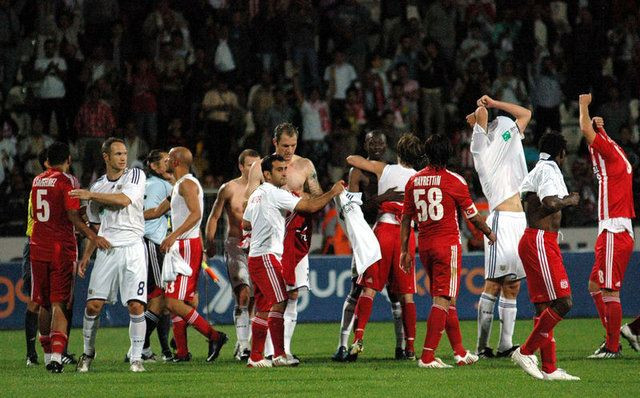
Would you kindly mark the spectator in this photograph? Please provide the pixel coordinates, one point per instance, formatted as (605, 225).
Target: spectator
(352, 23)
(340, 74)
(316, 124)
(259, 102)
(32, 146)
(224, 60)
(407, 55)
(471, 86)
(137, 148)
(434, 81)
(279, 112)
(615, 112)
(171, 73)
(302, 28)
(51, 70)
(507, 87)
(144, 106)
(175, 135)
(547, 96)
(440, 25)
(472, 47)
(9, 35)
(99, 16)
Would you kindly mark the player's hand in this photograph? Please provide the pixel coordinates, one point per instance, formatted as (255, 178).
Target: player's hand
(573, 199)
(406, 261)
(102, 243)
(492, 238)
(598, 122)
(166, 244)
(211, 250)
(486, 101)
(584, 99)
(337, 188)
(471, 119)
(82, 267)
(391, 195)
(81, 194)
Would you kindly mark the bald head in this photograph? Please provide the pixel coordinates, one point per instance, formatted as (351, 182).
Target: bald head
(179, 157)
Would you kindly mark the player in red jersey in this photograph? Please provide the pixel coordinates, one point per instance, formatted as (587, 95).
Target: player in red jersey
(433, 197)
(615, 231)
(54, 250)
(545, 194)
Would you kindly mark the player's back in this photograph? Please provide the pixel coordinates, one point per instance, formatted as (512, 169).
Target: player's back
(393, 176)
(433, 195)
(51, 200)
(180, 211)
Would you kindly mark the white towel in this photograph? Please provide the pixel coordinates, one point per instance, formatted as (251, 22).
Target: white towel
(173, 265)
(365, 246)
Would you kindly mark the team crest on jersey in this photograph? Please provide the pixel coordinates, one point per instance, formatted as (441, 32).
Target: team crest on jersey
(564, 284)
(506, 135)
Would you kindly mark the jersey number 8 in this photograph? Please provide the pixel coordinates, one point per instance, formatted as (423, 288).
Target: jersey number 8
(433, 209)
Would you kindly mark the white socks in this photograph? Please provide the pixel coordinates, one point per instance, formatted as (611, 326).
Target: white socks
(396, 310)
(90, 326)
(243, 326)
(346, 324)
(486, 306)
(290, 320)
(268, 345)
(137, 330)
(507, 310)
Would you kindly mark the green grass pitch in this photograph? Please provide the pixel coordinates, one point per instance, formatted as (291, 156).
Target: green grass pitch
(374, 374)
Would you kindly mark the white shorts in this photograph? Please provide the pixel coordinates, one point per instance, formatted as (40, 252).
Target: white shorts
(236, 260)
(122, 268)
(302, 275)
(501, 259)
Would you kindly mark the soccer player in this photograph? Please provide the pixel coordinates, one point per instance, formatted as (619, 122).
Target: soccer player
(614, 245)
(302, 180)
(116, 202)
(375, 144)
(186, 205)
(498, 157)
(545, 194)
(387, 271)
(53, 250)
(265, 217)
(230, 199)
(433, 197)
(631, 332)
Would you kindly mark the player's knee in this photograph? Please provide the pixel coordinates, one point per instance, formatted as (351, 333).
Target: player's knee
(406, 298)
(293, 294)
(135, 307)
(372, 293)
(279, 307)
(94, 307)
(563, 306)
(511, 289)
(593, 287)
(243, 294)
(33, 306)
(492, 287)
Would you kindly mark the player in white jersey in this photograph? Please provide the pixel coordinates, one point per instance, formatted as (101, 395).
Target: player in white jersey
(498, 157)
(186, 205)
(116, 202)
(230, 199)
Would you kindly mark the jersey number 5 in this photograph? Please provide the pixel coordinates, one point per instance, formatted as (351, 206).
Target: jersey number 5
(42, 206)
(433, 209)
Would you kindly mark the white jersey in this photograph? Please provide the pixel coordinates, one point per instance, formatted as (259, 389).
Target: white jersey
(180, 211)
(266, 210)
(498, 158)
(545, 179)
(121, 226)
(393, 176)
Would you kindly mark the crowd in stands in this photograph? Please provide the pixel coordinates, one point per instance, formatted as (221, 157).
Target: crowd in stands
(218, 75)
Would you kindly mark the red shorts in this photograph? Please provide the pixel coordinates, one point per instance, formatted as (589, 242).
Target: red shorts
(52, 280)
(185, 287)
(387, 270)
(297, 242)
(442, 262)
(547, 279)
(613, 252)
(268, 284)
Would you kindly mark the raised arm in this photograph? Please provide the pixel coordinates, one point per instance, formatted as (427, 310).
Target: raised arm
(189, 191)
(317, 203)
(586, 125)
(255, 178)
(158, 211)
(214, 216)
(372, 166)
(522, 114)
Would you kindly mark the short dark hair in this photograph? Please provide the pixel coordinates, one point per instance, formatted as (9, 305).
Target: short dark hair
(155, 155)
(438, 150)
(42, 159)
(552, 143)
(57, 153)
(285, 128)
(267, 162)
(106, 145)
(251, 153)
(409, 149)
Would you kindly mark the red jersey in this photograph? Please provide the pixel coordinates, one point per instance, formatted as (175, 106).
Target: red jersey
(433, 197)
(615, 175)
(51, 200)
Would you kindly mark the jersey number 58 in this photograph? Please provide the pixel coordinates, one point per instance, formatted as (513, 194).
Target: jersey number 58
(429, 206)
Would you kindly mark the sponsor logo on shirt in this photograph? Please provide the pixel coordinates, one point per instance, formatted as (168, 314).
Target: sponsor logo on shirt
(564, 284)
(506, 135)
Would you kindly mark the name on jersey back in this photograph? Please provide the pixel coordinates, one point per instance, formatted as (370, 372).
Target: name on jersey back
(45, 182)
(426, 180)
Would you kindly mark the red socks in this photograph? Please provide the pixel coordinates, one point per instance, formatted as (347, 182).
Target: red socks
(547, 351)
(45, 342)
(548, 320)
(614, 321)
(409, 322)
(435, 326)
(276, 327)
(58, 342)
(259, 328)
(452, 327)
(201, 325)
(599, 302)
(180, 335)
(363, 312)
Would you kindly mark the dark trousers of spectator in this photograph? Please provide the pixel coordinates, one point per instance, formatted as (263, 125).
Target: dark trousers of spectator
(9, 67)
(90, 151)
(432, 111)
(219, 142)
(57, 106)
(306, 60)
(546, 118)
(147, 126)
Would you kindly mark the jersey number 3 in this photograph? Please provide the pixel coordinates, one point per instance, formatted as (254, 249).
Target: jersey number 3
(42, 206)
(431, 208)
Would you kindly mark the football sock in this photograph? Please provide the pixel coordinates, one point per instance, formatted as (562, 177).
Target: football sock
(242, 326)
(163, 331)
(290, 320)
(435, 326)
(90, 326)
(201, 325)
(180, 335)
(452, 327)
(58, 344)
(137, 329)
(409, 322)
(69, 313)
(614, 321)
(548, 320)
(600, 306)
(635, 326)
(259, 329)
(31, 331)
(547, 351)
(398, 323)
(346, 324)
(486, 307)
(276, 327)
(152, 321)
(363, 311)
(507, 310)
(45, 342)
